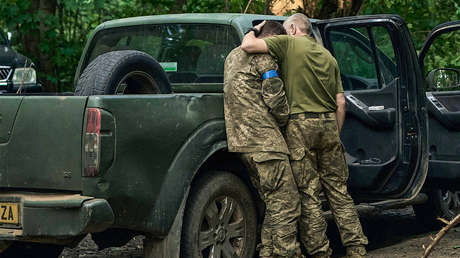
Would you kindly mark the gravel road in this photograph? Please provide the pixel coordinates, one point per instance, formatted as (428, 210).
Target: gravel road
(393, 233)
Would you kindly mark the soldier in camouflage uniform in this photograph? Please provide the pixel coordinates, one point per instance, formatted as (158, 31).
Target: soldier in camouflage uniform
(317, 105)
(255, 108)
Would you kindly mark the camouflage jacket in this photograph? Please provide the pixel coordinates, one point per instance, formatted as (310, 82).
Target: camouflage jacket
(255, 109)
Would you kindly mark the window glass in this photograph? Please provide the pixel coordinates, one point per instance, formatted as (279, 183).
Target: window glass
(442, 62)
(353, 50)
(385, 54)
(189, 53)
(444, 52)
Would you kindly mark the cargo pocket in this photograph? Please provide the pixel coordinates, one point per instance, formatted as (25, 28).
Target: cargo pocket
(344, 165)
(270, 169)
(260, 157)
(296, 158)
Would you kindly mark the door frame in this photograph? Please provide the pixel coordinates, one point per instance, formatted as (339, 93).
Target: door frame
(412, 155)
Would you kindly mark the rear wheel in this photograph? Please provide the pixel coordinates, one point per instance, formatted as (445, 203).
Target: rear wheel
(441, 203)
(220, 218)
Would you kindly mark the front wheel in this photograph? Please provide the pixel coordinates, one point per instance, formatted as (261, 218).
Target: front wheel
(441, 203)
(220, 219)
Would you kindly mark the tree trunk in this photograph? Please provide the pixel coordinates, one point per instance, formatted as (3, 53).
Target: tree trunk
(46, 66)
(326, 9)
(268, 7)
(179, 4)
(31, 38)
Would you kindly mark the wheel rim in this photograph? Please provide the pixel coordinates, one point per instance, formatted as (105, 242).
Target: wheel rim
(451, 202)
(137, 82)
(222, 230)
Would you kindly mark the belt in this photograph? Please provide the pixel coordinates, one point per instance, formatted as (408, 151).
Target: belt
(305, 115)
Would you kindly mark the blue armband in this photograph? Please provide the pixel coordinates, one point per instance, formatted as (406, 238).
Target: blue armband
(269, 74)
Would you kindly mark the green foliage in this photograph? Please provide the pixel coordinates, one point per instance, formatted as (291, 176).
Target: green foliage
(217, 6)
(444, 52)
(421, 15)
(68, 29)
(61, 44)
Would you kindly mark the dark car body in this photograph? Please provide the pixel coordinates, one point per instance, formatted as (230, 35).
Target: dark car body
(9, 61)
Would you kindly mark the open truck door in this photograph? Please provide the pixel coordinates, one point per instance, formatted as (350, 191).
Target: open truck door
(385, 132)
(440, 64)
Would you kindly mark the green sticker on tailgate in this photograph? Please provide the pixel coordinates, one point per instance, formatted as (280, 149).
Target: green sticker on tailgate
(169, 66)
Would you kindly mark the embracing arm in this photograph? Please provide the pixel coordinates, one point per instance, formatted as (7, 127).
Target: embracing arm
(252, 44)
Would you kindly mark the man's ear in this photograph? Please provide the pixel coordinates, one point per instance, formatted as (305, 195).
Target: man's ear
(293, 29)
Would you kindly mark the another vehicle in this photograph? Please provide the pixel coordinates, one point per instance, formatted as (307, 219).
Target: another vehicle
(142, 148)
(16, 71)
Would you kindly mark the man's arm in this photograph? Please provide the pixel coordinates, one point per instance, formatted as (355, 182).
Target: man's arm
(340, 112)
(273, 89)
(275, 98)
(252, 44)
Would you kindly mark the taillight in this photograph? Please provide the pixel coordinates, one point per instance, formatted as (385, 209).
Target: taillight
(92, 142)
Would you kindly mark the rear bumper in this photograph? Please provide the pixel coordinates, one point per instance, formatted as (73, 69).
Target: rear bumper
(46, 216)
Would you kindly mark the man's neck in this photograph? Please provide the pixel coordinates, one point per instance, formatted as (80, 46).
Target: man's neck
(300, 34)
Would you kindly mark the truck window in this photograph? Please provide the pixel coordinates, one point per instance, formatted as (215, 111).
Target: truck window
(189, 53)
(354, 52)
(442, 59)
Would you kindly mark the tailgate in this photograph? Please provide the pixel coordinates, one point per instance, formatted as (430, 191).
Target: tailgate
(44, 147)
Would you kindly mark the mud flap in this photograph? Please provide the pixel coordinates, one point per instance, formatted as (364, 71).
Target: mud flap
(168, 247)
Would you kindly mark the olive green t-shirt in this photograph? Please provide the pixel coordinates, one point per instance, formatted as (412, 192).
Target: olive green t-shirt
(310, 73)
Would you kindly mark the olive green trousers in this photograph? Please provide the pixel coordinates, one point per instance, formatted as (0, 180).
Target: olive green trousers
(271, 175)
(318, 164)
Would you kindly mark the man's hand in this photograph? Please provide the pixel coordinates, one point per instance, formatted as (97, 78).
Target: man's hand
(260, 25)
(251, 44)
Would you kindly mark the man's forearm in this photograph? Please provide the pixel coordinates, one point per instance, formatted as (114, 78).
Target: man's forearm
(340, 112)
(340, 116)
(252, 44)
(275, 98)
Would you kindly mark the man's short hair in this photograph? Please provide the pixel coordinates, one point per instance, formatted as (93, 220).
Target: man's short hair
(272, 28)
(301, 21)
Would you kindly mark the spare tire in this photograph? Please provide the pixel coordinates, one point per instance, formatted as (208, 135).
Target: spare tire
(123, 72)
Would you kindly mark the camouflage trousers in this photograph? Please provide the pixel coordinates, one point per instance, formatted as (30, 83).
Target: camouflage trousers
(318, 163)
(271, 175)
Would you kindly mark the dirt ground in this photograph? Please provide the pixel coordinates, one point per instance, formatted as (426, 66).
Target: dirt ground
(393, 233)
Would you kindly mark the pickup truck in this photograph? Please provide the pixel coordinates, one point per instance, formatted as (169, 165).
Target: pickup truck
(141, 147)
(17, 72)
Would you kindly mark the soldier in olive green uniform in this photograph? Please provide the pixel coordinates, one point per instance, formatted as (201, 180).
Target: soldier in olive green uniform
(255, 107)
(317, 108)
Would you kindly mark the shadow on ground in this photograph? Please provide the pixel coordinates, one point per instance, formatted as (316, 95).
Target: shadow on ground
(386, 229)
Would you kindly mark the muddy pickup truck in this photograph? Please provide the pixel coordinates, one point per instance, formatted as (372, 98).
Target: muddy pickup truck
(141, 147)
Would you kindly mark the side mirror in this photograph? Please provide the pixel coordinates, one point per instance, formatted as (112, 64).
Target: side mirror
(440, 79)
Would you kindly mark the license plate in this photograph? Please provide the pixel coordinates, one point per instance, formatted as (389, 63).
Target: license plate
(9, 213)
